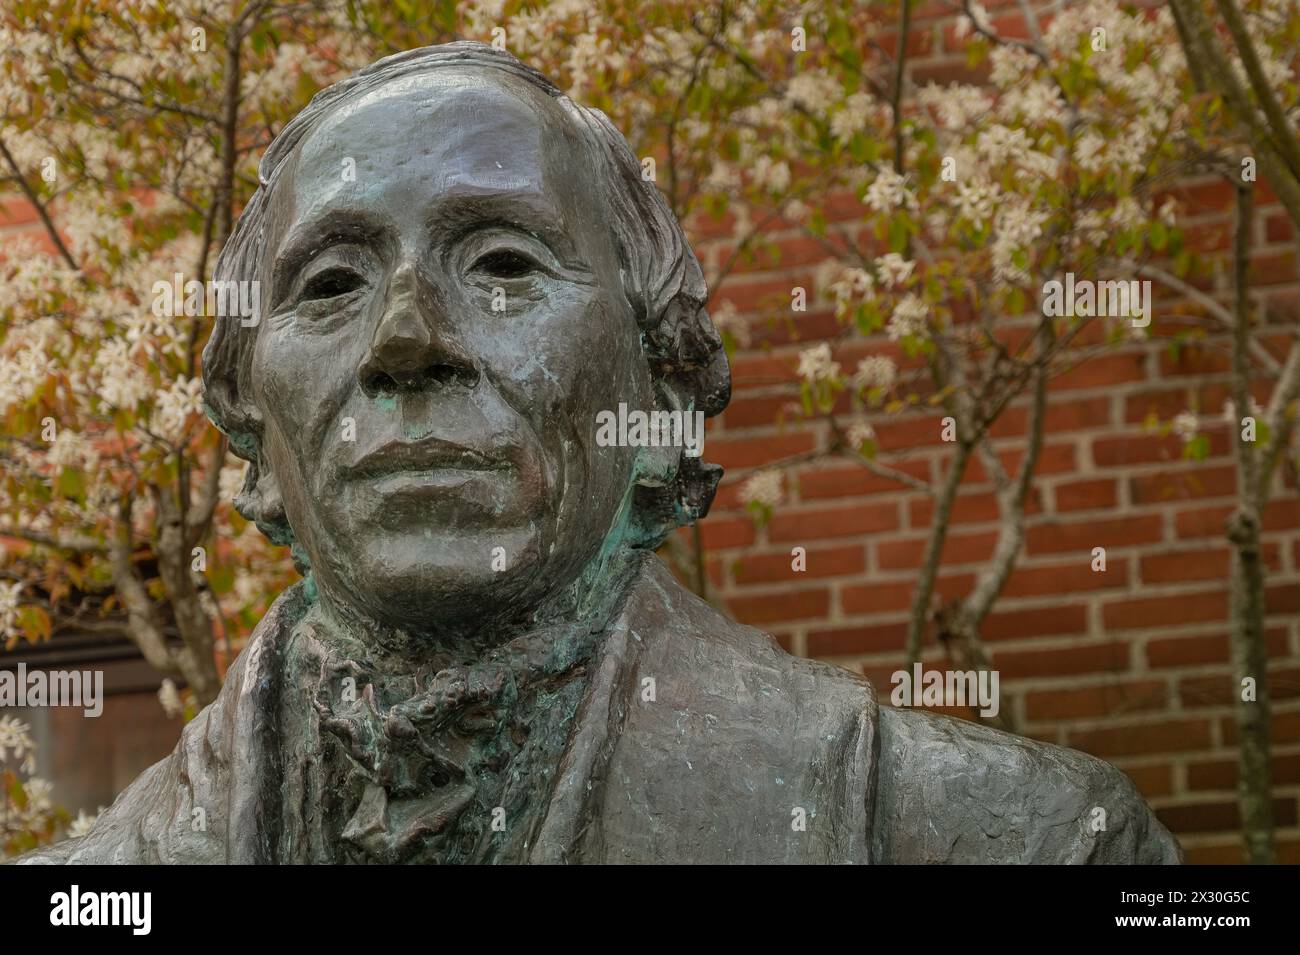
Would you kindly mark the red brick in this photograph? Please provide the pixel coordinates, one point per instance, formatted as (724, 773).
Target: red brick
(1207, 194)
(774, 330)
(1063, 661)
(1218, 816)
(1103, 371)
(761, 371)
(1061, 417)
(1274, 268)
(876, 598)
(723, 532)
(1207, 564)
(1146, 448)
(1053, 537)
(1277, 228)
(850, 641)
(821, 562)
(753, 452)
(1227, 854)
(1152, 780)
(911, 431)
(897, 596)
(762, 411)
(1163, 405)
(1168, 736)
(783, 254)
(847, 521)
(1052, 459)
(787, 605)
(1071, 578)
(1086, 495)
(1203, 521)
(1036, 622)
(15, 211)
(1285, 728)
(855, 481)
(966, 509)
(1182, 484)
(1110, 699)
(958, 549)
(1211, 521)
(1222, 773)
(1198, 358)
(1196, 692)
(1146, 612)
(1282, 599)
(1204, 648)
(766, 294)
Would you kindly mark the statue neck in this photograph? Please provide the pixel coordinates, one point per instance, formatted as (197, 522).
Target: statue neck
(575, 614)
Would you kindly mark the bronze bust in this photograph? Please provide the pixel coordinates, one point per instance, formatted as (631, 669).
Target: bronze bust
(485, 661)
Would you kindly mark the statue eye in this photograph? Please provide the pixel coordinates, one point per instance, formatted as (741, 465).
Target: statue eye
(505, 264)
(331, 283)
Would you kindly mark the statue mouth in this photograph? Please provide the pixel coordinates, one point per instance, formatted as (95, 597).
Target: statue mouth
(428, 457)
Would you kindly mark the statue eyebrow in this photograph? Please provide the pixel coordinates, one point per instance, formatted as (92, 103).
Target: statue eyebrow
(526, 209)
(329, 227)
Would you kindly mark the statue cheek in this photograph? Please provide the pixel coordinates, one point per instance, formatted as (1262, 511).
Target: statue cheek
(300, 382)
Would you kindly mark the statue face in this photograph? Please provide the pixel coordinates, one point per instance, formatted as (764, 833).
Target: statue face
(445, 320)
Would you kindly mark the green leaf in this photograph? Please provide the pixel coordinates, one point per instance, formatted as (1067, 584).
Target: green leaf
(71, 483)
(1159, 236)
(35, 622)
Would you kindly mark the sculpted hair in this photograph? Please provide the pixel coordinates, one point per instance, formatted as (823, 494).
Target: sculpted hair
(662, 281)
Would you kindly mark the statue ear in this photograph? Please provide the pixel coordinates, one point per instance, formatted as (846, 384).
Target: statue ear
(261, 502)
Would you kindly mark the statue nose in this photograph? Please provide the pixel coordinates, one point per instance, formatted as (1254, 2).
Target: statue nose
(408, 351)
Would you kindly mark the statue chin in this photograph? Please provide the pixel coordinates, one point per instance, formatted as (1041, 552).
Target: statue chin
(437, 584)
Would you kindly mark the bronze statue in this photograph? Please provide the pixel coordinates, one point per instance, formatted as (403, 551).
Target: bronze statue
(485, 661)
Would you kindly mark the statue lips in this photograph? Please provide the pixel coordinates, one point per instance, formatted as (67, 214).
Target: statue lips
(426, 465)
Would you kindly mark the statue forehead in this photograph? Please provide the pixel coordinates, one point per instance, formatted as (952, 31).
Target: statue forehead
(452, 129)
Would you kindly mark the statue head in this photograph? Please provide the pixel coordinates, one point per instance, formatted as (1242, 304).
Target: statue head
(459, 270)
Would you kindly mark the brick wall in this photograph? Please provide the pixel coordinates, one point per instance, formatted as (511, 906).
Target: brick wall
(1130, 664)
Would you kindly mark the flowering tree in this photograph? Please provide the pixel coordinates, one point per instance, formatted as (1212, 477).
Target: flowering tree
(28, 818)
(978, 196)
(1242, 73)
(1061, 164)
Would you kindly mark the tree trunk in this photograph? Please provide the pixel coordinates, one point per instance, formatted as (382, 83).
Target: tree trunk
(1251, 711)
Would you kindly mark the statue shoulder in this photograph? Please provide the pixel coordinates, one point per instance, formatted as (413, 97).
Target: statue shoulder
(951, 791)
(199, 804)
(730, 749)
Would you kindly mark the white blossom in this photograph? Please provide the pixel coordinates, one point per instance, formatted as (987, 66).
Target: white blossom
(771, 175)
(170, 698)
(763, 488)
(888, 191)
(859, 433)
(894, 270)
(84, 822)
(1186, 425)
(816, 364)
(875, 371)
(909, 318)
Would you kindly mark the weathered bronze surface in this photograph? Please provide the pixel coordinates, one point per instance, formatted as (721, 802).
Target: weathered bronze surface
(485, 661)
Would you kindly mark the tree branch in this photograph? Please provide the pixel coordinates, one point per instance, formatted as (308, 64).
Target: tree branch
(40, 208)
